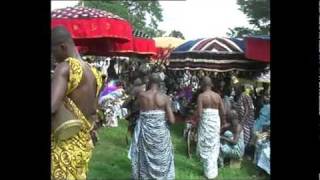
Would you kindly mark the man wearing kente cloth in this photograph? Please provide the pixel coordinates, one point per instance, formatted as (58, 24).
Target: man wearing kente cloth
(211, 114)
(151, 150)
(76, 85)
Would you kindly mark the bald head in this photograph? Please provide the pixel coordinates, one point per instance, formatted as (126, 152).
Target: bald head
(206, 82)
(62, 45)
(60, 35)
(155, 79)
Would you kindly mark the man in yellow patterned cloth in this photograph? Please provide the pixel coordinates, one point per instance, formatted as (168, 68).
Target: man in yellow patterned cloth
(75, 85)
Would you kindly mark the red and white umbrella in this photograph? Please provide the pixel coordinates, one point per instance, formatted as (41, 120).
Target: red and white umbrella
(89, 24)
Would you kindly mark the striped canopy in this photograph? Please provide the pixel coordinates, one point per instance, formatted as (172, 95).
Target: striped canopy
(213, 54)
(212, 45)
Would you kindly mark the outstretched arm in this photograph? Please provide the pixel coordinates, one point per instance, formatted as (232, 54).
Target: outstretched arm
(169, 112)
(59, 86)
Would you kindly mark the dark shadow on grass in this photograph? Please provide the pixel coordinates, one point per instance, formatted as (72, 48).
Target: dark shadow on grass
(177, 129)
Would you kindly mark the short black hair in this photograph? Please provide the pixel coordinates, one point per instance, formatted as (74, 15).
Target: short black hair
(60, 35)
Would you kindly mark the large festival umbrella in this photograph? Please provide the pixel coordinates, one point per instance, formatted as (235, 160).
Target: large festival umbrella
(164, 46)
(89, 26)
(258, 48)
(138, 45)
(213, 54)
(168, 42)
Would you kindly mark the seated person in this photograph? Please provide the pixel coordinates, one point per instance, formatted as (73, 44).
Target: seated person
(232, 140)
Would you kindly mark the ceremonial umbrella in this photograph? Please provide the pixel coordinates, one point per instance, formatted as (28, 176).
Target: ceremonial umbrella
(138, 45)
(168, 42)
(90, 26)
(213, 54)
(258, 48)
(164, 46)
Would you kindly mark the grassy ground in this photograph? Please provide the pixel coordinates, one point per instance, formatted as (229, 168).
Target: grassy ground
(110, 160)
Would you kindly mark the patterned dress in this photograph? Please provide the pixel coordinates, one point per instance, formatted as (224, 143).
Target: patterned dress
(151, 150)
(70, 157)
(208, 144)
(245, 109)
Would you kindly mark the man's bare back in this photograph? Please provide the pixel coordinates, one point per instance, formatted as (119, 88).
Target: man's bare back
(153, 99)
(210, 99)
(84, 96)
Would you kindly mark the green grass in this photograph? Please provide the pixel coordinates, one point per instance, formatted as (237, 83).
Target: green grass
(110, 161)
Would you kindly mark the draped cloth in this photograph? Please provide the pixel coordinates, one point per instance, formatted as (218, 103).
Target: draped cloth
(70, 157)
(245, 109)
(208, 144)
(151, 150)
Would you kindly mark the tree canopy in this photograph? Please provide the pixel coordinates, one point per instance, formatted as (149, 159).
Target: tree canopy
(176, 34)
(258, 13)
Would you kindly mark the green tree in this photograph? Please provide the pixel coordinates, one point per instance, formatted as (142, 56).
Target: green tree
(143, 15)
(176, 34)
(258, 12)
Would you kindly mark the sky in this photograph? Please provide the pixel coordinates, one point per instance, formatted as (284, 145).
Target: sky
(194, 18)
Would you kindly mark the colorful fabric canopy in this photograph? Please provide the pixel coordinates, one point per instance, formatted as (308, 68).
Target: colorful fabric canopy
(213, 54)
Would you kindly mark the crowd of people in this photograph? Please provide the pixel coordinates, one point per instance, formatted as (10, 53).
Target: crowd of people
(233, 119)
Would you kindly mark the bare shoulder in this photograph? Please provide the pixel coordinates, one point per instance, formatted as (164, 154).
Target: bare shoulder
(216, 95)
(141, 94)
(62, 69)
(163, 97)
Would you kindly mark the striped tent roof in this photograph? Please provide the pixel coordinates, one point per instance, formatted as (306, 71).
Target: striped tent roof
(214, 45)
(212, 54)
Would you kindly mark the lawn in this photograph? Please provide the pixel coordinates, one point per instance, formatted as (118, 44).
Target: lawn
(110, 161)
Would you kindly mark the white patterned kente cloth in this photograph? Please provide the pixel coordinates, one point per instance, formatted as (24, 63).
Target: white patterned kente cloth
(151, 150)
(208, 145)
